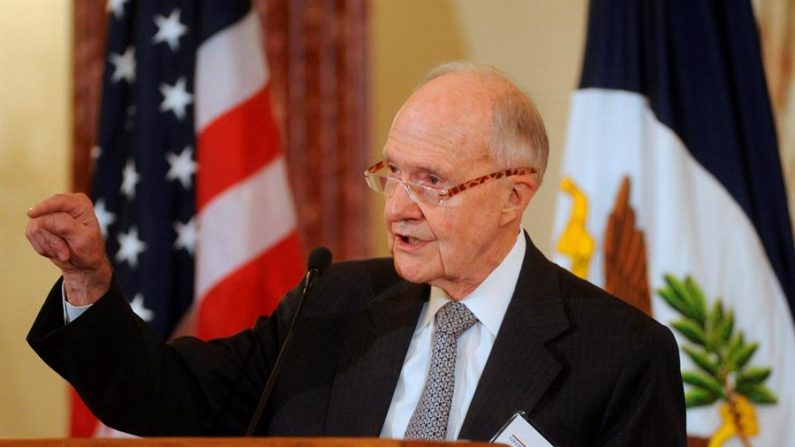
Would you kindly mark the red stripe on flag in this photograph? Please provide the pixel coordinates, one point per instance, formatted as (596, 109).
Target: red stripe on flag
(235, 145)
(83, 423)
(251, 291)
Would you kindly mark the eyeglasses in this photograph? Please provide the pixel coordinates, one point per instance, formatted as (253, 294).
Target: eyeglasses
(379, 181)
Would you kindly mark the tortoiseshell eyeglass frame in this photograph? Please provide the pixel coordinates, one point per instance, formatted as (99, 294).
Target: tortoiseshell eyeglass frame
(446, 194)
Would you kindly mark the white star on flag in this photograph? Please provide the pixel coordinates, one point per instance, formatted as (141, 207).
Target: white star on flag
(123, 66)
(186, 235)
(104, 217)
(175, 98)
(116, 7)
(129, 180)
(138, 307)
(169, 29)
(181, 167)
(130, 247)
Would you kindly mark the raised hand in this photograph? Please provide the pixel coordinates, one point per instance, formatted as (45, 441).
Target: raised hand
(64, 229)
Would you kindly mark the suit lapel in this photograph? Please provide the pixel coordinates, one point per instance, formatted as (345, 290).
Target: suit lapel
(371, 360)
(520, 368)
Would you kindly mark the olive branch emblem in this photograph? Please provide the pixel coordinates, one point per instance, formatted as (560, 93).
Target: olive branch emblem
(722, 355)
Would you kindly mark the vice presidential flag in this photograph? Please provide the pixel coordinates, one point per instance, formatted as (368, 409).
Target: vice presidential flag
(672, 198)
(189, 186)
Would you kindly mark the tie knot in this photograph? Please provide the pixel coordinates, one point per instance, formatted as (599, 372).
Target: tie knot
(454, 318)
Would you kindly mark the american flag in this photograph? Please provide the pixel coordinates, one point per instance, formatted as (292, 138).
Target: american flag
(189, 186)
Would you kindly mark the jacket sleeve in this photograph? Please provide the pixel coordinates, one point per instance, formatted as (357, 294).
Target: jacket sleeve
(647, 404)
(137, 383)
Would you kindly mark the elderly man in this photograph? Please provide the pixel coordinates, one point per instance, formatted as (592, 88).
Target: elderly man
(465, 325)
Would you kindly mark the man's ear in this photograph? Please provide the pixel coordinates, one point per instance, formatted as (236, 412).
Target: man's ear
(522, 191)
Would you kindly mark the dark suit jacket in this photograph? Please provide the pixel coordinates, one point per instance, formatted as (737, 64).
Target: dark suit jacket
(587, 368)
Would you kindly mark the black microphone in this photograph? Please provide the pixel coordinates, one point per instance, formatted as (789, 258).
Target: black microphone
(316, 264)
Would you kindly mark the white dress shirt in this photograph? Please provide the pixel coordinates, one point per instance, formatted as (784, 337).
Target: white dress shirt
(70, 311)
(489, 302)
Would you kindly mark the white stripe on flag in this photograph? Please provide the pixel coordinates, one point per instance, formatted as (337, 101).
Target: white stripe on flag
(692, 226)
(237, 51)
(257, 211)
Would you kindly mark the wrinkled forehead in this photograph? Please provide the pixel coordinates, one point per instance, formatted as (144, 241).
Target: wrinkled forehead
(455, 100)
(450, 116)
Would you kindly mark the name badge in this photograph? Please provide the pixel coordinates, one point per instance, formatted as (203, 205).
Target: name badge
(517, 432)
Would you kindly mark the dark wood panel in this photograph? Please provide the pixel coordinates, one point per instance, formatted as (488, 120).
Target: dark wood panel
(89, 27)
(233, 442)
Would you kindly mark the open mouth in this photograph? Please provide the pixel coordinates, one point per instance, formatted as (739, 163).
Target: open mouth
(410, 240)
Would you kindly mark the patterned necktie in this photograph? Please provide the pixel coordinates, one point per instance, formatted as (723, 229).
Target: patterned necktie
(429, 420)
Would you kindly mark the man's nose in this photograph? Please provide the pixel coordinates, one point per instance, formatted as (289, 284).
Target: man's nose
(400, 206)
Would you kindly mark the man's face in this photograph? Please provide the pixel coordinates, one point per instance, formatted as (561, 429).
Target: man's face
(440, 139)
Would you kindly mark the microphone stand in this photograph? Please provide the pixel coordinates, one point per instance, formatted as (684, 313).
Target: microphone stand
(311, 275)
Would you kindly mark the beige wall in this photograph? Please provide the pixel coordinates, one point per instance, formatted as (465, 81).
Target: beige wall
(538, 42)
(34, 134)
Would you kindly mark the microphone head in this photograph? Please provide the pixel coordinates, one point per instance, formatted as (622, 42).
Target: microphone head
(319, 259)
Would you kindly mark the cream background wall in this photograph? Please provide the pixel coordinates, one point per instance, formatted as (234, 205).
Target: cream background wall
(35, 82)
(538, 42)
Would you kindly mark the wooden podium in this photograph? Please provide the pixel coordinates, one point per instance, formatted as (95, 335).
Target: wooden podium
(232, 442)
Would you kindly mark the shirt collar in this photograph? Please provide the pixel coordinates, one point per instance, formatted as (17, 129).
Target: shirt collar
(489, 301)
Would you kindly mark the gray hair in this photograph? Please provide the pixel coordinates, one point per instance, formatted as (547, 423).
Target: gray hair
(518, 135)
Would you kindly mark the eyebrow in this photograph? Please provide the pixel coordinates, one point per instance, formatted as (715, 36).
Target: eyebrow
(419, 170)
